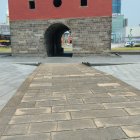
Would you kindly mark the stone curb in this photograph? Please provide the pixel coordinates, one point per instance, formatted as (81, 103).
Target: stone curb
(10, 108)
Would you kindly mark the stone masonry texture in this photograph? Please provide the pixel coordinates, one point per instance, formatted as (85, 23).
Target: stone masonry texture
(90, 36)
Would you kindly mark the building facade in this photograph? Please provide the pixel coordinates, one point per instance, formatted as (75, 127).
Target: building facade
(116, 6)
(118, 23)
(37, 26)
(118, 28)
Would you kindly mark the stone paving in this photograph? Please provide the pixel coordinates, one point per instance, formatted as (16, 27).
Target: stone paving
(11, 77)
(129, 73)
(13, 69)
(71, 102)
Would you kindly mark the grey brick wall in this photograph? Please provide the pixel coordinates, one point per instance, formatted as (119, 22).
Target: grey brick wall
(90, 36)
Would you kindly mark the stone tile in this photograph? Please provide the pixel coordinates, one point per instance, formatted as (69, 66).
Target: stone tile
(31, 93)
(122, 105)
(42, 97)
(42, 127)
(79, 95)
(134, 98)
(62, 95)
(76, 107)
(73, 90)
(20, 119)
(75, 124)
(30, 104)
(132, 131)
(39, 118)
(105, 100)
(34, 91)
(50, 117)
(105, 95)
(21, 129)
(49, 103)
(91, 134)
(45, 136)
(98, 113)
(32, 111)
(41, 85)
(98, 91)
(133, 111)
(122, 94)
(117, 121)
(131, 139)
(117, 89)
(74, 101)
(108, 84)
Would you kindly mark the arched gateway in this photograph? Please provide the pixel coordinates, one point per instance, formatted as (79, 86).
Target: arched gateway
(37, 26)
(53, 39)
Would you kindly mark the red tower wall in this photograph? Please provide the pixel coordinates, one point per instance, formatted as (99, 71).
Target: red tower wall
(19, 9)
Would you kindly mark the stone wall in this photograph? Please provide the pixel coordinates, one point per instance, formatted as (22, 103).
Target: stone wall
(90, 36)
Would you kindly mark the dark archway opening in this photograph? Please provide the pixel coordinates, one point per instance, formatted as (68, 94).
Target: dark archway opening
(54, 42)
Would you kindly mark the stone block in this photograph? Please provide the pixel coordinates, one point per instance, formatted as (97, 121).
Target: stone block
(91, 134)
(49, 103)
(39, 118)
(50, 117)
(70, 108)
(122, 105)
(75, 124)
(42, 127)
(105, 100)
(98, 113)
(20, 119)
(20, 129)
(32, 111)
(45, 136)
(132, 131)
(133, 111)
(117, 121)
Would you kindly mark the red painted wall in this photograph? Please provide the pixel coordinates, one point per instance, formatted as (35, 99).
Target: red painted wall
(19, 9)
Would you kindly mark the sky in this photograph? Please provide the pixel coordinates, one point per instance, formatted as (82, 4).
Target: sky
(130, 9)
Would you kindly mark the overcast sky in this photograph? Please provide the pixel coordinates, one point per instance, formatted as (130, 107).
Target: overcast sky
(129, 9)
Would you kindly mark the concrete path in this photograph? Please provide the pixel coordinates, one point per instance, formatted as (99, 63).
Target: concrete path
(71, 102)
(129, 73)
(11, 77)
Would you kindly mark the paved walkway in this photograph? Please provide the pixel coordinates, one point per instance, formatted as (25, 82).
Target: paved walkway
(71, 102)
(11, 77)
(129, 73)
(13, 72)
